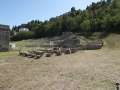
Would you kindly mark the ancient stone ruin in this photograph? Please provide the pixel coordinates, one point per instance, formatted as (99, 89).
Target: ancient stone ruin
(67, 43)
(67, 40)
(4, 37)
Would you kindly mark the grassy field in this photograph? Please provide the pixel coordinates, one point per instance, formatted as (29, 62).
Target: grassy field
(84, 70)
(112, 41)
(7, 54)
(32, 42)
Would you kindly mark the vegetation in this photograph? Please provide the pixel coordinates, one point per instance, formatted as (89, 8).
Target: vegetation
(7, 54)
(23, 35)
(103, 16)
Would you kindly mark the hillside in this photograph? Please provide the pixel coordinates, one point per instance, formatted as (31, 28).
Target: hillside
(112, 41)
(103, 16)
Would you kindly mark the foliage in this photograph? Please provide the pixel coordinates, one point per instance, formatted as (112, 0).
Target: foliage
(103, 16)
(22, 35)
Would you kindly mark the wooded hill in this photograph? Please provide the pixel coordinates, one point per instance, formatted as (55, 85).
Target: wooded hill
(103, 16)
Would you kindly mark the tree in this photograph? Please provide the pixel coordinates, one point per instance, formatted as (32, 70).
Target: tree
(86, 27)
(22, 36)
(103, 16)
(109, 2)
(73, 11)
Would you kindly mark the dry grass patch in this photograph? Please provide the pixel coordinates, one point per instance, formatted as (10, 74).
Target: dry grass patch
(85, 70)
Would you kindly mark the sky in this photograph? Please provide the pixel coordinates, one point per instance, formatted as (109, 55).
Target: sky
(16, 12)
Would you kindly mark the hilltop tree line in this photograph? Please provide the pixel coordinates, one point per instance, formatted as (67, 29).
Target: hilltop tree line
(103, 16)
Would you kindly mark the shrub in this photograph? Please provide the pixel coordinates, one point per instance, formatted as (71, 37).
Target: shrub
(22, 36)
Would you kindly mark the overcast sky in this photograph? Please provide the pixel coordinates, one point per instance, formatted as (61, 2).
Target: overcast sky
(15, 12)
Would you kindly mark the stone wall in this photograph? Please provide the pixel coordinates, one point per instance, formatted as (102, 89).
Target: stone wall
(4, 39)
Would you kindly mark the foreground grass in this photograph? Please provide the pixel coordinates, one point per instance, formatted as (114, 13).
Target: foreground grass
(85, 70)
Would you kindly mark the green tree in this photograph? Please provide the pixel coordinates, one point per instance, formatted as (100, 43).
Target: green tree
(22, 36)
(86, 27)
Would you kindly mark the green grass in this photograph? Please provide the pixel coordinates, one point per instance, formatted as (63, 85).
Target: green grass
(112, 41)
(32, 42)
(7, 54)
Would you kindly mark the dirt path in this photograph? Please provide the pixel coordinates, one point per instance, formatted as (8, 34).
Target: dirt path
(85, 70)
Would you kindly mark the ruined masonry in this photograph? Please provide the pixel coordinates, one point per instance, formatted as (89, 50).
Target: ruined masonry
(4, 37)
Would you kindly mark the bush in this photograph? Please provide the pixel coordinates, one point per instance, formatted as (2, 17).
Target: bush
(22, 36)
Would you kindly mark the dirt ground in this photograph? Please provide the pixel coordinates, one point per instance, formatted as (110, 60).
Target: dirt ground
(84, 70)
